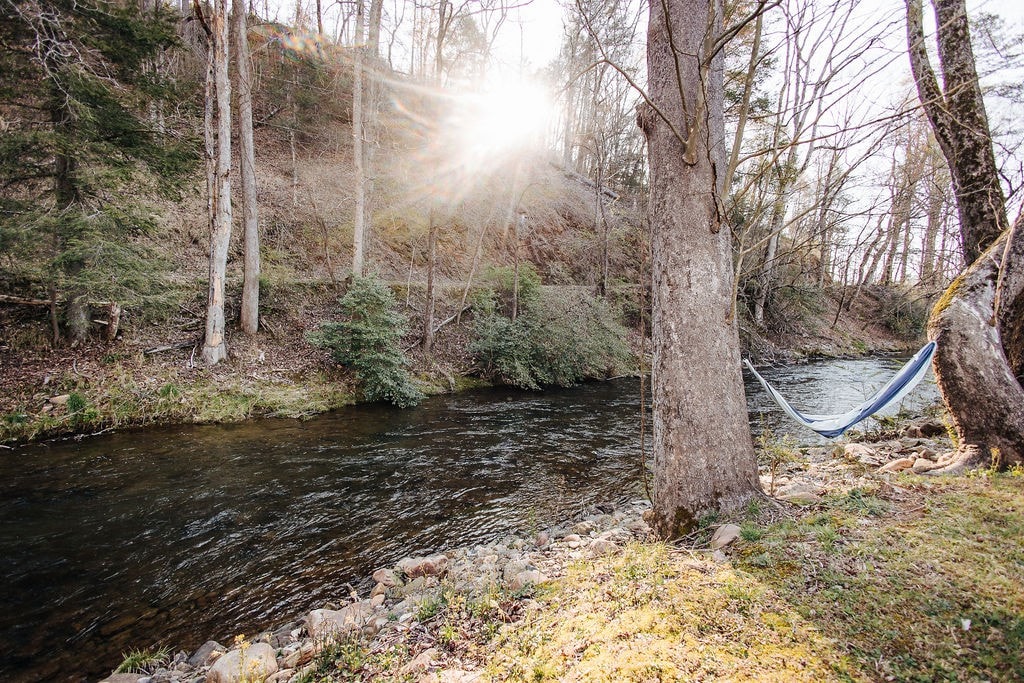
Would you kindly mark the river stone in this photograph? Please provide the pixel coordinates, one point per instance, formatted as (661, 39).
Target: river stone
(388, 577)
(301, 656)
(419, 663)
(862, 453)
(602, 546)
(543, 538)
(724, 535)
(584, 528)
(257, 663)
(799, 492)
(325, 622)
(514, 567)
(526, 578)
(898, 465)
(204, 656)
(423, 566)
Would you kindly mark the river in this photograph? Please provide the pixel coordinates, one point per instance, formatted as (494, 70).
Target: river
(179, 534)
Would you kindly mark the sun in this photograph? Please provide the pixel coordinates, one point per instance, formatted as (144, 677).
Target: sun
(502, 120)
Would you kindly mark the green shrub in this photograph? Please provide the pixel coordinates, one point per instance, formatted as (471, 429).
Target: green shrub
(369, 342)
(558, 340)
(499, 282)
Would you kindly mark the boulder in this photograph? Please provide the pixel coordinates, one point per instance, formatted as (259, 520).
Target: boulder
(898, 465)
(602, 546)
(932, 428)
(326, 622)
(387, 577)
(799, 492)
(527, 578)
(435, 565)
(257, 662)
(724, 535)
(206, 653)
(922, 465)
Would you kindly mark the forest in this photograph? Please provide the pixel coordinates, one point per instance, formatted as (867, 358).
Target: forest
(219, 211)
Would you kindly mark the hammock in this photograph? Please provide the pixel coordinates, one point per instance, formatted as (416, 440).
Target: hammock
(832, 426)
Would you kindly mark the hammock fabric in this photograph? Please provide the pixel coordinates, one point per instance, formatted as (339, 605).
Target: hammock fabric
(832, 426)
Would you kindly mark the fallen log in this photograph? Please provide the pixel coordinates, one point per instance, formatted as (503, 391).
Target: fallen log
(173, 347)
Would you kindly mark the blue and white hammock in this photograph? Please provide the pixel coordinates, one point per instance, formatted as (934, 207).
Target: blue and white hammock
(832, 426)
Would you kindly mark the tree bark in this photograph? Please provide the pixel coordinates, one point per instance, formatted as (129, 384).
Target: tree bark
(978, 324)
(250, 312)
(978, 385)
(215, 348)
(428, 314)
(359, 225)
(703, 455)
(958, 118)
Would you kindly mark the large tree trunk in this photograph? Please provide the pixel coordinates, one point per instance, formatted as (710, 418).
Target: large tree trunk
(247, 165)
(978, 322)
(703, 455)
(978, 385)
(215, 348)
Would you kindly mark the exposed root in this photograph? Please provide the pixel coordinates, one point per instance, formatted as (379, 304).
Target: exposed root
(965, 458)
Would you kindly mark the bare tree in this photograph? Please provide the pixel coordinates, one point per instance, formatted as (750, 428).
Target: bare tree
(359, 223)
(703, 455)
(215, 348)
(250, 310)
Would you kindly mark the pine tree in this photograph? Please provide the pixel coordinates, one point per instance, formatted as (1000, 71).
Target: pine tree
(73, 101)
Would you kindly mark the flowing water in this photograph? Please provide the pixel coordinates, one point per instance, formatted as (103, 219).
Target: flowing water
(176, 535)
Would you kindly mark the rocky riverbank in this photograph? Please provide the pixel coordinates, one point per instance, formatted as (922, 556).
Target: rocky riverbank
(437, 618)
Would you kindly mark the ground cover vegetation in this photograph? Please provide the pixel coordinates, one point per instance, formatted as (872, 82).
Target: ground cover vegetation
(903, 578)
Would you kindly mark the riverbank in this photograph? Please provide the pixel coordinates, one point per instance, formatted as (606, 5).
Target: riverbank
(150, 375)
(859, 567)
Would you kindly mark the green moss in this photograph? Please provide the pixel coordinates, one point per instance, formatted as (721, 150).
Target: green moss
(947, 297)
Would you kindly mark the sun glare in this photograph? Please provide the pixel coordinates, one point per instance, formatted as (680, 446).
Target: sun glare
(504, 120)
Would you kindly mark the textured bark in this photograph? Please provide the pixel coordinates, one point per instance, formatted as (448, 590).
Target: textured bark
(935, 202)
(359, 225)
(250, 312)
(428, 314)
(957, 115)
(978, 385)
(215, 347)
(703, 455)
(977, 324)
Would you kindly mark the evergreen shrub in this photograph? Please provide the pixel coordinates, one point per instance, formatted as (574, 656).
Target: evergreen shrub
(559, 339)
(368, 341)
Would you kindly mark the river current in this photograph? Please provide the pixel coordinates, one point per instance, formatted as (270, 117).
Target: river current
(174, 535)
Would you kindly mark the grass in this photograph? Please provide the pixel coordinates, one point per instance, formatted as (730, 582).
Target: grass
(124, 399)
(922, 582)
(143, 661)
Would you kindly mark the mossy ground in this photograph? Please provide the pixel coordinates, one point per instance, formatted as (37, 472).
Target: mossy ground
(912, 579)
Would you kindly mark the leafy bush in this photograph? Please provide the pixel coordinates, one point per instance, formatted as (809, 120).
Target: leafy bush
(558, 340)
(368, 341)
